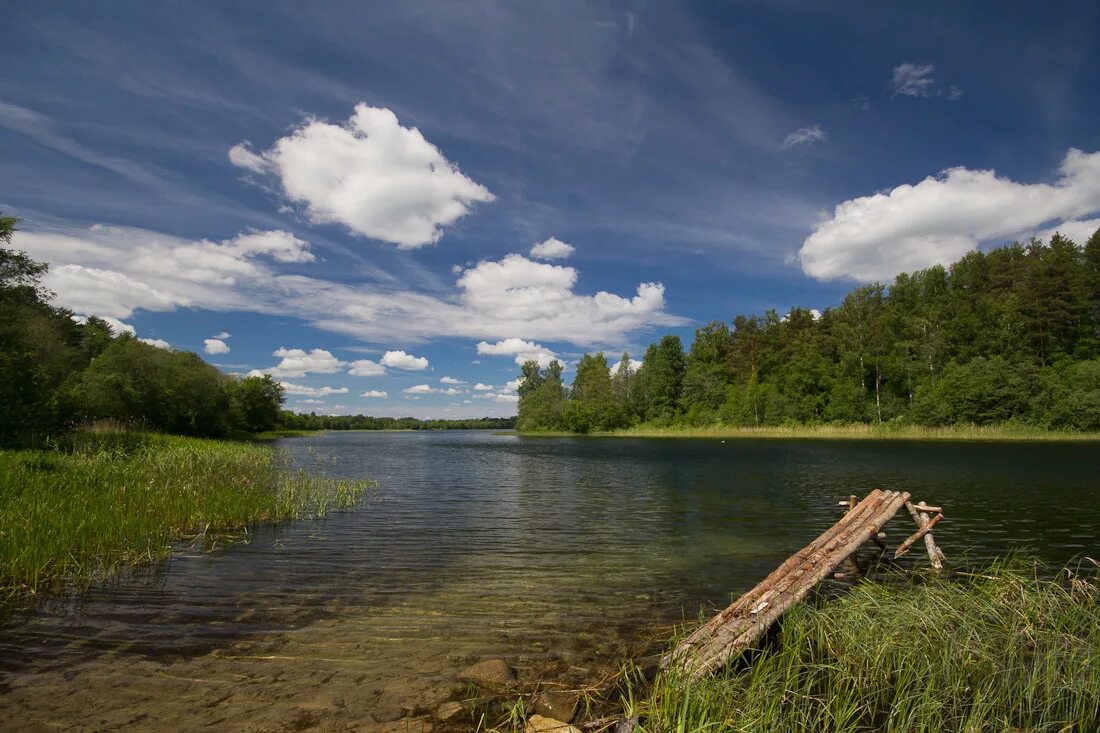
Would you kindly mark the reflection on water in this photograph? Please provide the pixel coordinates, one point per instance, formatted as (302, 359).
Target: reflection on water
(558, 554)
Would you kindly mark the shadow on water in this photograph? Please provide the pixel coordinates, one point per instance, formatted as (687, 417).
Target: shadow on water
(560, 555)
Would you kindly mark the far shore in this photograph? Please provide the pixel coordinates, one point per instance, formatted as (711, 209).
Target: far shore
(989, 433)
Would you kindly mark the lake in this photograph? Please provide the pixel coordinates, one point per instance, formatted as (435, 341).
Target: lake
(561, 555)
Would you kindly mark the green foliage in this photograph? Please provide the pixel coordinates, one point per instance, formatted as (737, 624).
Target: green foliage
(105, 499)
(1003, 650)
(55, 371)
(541, 403)
(1010, 335)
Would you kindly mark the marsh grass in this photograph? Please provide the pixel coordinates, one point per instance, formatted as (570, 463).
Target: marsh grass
(106, 499)
(1001, 651)
(886, 431)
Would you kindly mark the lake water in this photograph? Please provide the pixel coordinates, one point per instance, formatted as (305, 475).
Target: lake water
(560, 555)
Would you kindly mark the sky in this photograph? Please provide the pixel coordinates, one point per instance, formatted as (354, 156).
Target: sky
(389, 206)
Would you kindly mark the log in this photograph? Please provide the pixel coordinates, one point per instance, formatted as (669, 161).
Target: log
(922, 507)
(935, 554)
(924, 529)
(747, 619)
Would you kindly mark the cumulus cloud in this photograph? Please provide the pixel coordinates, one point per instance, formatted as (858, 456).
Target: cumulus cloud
(941, 218)
(159, 343)
(304, 391)
(371, 174)
(497, 397)
(366, 368)
(375, 394)
(805, 136)
(114, 271)
(632, 364)
(520, 349)
(217, 346)
(299, 362)
(401, 360)
(479, 387)
(453, 391)
(451, 380)
(311, 402)
(420, 389)
(222, 335)
(552, 249)
(913, 80)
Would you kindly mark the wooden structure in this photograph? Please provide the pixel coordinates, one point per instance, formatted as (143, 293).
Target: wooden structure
(746, 620)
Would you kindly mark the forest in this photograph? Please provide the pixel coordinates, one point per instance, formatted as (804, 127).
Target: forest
(1008, 336)
(300, 421)
(56, 372)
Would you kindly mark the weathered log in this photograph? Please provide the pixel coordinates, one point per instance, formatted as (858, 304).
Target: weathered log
(924, 529)
(935, 554)
(748, 618)
(922, 507)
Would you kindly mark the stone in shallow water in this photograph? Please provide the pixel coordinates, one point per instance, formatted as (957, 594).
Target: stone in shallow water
(489, 672)
(557, 704)
(448, 710)
(539, 724)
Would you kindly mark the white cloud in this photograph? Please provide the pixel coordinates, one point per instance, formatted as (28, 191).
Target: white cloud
(420, 389)
(1076, 231)
(520, 349)
(633, 365)
(401, 360)
(805, 136)
(941, 218)
(451, 380)
(366, 368)
(241, 155)
(113, 271)
(304, 391)
(552, 249)
(372, 175)
(222, 335)
(375, 393)
(299, 362)
(479, 387)
(311, 402)
(497, 397)
(217, 346)
(159, 343)
(454, 391)
(913, 80)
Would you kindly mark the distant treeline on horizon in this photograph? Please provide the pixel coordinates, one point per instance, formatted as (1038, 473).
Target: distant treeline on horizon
(1011, 335)
(301, 421)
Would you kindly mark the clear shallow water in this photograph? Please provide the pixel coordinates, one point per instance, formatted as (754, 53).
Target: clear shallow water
(558, 554)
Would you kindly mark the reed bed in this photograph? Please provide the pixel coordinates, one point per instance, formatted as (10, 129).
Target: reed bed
(1000, 651)
(886, 431)
(107, 499)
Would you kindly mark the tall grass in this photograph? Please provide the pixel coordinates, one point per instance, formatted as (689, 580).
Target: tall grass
(107, 499)
(1004, 653)
(859, 430)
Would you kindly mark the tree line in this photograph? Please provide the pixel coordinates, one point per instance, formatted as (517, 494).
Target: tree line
(312, 421)
(1011, 335)
(56, 372)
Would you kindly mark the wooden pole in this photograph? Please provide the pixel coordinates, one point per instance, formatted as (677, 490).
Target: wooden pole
(935, 554)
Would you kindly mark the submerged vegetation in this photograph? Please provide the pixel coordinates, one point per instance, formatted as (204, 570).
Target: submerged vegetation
(108, 499)
(1002, 650)
(1005, 337)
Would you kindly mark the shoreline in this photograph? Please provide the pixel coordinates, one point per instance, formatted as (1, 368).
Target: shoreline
(989, 434)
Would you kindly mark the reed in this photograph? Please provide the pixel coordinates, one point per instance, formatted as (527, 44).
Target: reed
(1001, 650)
(886, 431)
(107, 499)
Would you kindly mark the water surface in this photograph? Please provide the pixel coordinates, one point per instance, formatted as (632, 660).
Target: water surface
(561, 555)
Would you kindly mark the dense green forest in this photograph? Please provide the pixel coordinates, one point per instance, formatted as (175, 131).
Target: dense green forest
(56, 372)
(300, 421)
(1006, 336)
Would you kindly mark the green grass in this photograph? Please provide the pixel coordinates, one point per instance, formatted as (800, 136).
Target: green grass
(284, 433)
(107, 499)
(847, 432)
(1006, 653)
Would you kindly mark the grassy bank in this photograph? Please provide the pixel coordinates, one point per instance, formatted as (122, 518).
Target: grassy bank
(106, 499)
(846, 432)
(1007, 652)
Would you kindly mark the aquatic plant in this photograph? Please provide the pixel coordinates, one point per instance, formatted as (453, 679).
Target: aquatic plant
(106, 499)
(1001, 650)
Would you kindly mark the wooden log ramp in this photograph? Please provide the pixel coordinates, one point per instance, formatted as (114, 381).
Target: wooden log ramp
(745, 621)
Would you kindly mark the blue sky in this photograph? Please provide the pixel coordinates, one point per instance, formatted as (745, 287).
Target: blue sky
(353, 191)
